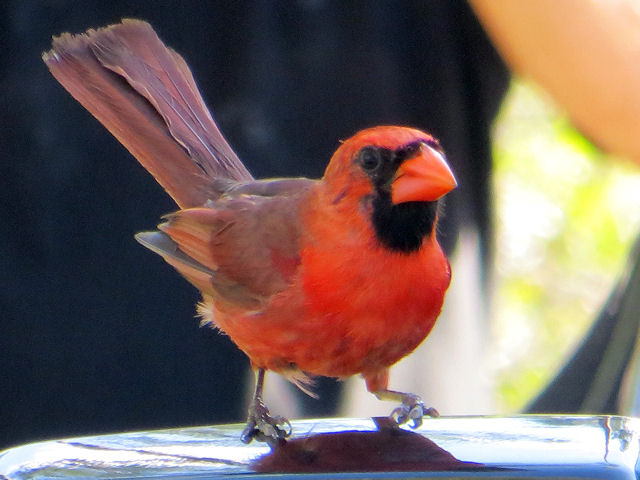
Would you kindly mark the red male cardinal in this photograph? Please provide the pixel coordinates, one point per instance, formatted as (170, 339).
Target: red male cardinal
(335, 277)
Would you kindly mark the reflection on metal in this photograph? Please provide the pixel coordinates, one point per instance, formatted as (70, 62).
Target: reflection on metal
(486, 447)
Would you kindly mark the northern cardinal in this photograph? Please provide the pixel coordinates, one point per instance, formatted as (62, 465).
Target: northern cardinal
(334, 277)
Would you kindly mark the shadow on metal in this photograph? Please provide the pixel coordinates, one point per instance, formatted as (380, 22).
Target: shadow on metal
(389, 449)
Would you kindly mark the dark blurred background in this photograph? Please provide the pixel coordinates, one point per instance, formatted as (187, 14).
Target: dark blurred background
(96, 333)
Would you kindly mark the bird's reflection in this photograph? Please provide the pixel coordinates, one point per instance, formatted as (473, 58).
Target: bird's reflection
(388, 449)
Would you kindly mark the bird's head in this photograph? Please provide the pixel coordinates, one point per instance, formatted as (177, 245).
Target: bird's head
(397, 175)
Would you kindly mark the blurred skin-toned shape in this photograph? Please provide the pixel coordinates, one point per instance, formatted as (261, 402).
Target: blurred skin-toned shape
(585, 53)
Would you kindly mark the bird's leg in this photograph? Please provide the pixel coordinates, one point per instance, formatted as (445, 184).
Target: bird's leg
(411, 406)
(260, 424)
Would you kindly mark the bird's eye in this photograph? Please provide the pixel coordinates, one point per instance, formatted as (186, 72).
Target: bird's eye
(370, 159)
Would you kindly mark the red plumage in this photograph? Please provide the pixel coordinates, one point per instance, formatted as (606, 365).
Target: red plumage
(333, 277)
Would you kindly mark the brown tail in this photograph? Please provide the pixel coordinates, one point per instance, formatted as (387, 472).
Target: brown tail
(145, 95)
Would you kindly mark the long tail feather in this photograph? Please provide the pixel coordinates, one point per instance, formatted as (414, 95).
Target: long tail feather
(145, 95)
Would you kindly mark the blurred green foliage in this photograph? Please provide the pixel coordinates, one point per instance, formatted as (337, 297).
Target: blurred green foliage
(565, 215)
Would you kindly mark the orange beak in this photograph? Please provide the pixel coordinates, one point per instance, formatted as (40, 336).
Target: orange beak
(423, 178)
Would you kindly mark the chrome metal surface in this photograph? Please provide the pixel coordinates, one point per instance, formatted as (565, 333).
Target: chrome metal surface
(453, 447)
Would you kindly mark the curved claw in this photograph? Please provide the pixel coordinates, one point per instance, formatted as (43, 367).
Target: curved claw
(263, 427)
(412, 409)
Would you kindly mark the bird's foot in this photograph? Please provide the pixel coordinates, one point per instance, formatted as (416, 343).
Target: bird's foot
(412, 409)
(264, 427)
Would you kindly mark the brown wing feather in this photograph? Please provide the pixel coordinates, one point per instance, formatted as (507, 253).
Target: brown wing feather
(157, 113)
(248, 243)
